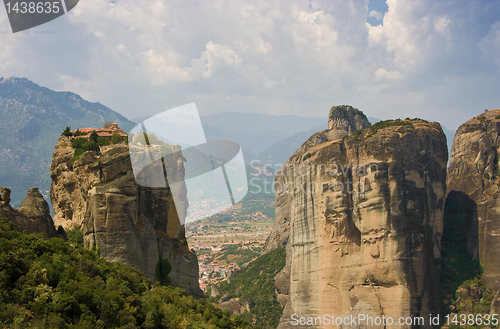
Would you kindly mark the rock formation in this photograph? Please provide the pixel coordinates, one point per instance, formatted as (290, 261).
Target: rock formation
(345, 119)
(130, 224)
(361, 220)
(33, 216)
(473, 180)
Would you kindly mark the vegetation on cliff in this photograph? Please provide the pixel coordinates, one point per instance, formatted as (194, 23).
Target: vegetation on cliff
(255, 284)
(51, 284)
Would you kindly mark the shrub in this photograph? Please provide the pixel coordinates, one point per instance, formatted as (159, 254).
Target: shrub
(356, 135)
(77, 154)
(94, 136)
(78, 142)
(79, 133)
(67, 132)
(103, 141)
(75, 237)
(307, 156)
(116, 138)
(486, 175)
(90, 146)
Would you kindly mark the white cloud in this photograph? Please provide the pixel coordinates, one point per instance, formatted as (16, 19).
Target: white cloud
(289, 57)
(376, 14)
(383, 74)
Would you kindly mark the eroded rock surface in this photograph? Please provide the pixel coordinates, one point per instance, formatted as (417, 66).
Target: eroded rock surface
(473, 179)
(130, 224)
(361, 220)
(345, 119)
(33, 216)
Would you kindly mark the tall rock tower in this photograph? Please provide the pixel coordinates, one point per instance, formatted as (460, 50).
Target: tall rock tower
(361, 220)
(130, 224)
(473, 182)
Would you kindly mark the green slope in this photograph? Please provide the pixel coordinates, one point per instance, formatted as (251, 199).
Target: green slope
(51, 284)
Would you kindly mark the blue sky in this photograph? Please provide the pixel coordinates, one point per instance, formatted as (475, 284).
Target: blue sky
(437, 60)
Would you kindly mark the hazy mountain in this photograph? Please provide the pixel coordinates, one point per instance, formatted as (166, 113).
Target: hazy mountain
(31, 121)
(256, 132)
(278, 153)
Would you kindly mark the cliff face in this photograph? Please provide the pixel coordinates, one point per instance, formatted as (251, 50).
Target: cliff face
(130, 224)
(473, 178)
(361, 219)
(33, 216)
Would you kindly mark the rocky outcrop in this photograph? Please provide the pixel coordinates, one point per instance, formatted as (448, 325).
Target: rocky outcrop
(473, 182)
(361, 220)
(130, 224)
(32, 217)
(37, 210)
(345, 119)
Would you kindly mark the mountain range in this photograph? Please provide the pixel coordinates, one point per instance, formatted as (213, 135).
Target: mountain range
(32, 118)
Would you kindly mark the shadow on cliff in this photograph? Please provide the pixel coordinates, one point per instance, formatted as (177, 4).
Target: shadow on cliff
(460, 263)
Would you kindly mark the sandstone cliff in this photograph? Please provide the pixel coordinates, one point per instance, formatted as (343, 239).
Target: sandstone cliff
(361, 219)
(130, 224)
(473, 181)
(33, 216)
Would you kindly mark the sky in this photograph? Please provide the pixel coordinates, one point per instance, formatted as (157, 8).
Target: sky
(437, 60)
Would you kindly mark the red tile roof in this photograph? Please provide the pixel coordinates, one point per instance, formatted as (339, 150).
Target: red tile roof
(102, 132)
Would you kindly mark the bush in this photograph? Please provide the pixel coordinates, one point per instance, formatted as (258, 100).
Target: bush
(78, 142)
(94, 136)
(101, 141)
(77, 154)
(307, 156)
(90, 146)
(67, 132)
(116, 138)
(79, 133)
(75, 237)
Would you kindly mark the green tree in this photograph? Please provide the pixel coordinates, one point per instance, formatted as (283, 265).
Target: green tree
(79, 133)
(116, 138)
(94, 136)
(103, 141)
(90, 146)
(75, 237)
(78, 142)
(51, 284)
(67, 132)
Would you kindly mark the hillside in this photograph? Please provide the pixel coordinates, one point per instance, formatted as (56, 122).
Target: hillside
(31, 120)
(51, 284)
(253, 292)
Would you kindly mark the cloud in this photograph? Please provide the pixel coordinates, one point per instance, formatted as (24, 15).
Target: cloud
(289, 57)
(376, 14)
(383, 74)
